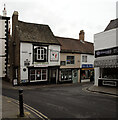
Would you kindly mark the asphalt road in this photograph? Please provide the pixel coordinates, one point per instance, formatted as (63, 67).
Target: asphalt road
(68, 101)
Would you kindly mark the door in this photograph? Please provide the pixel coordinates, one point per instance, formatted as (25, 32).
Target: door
(53, 75)
(75, 76)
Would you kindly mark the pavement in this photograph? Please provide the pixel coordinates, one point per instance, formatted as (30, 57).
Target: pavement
(103, 90)
(10, 107)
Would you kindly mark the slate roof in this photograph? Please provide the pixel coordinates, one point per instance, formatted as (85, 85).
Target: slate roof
(70, 45)
(113, 24)
(30, 32)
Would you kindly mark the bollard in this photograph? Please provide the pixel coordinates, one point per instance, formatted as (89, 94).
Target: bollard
(21, 109)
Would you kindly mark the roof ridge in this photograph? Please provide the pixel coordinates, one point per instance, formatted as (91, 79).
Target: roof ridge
(72, 39)
(33, 23)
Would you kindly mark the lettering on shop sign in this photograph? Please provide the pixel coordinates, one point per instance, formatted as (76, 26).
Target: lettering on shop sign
(87, 65)
(106, 52)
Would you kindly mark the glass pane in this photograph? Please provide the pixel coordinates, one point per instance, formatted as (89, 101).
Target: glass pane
(32, 71)
(43, 71)
(43, 77)
(38, 77)
(38, 71)
(32, 77)
(42, 57)
(42, 51)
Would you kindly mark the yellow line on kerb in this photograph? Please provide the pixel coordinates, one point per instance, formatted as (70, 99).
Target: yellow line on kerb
(36, 112)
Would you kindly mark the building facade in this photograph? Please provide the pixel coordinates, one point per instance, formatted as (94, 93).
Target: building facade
(35, 53)
(4, 37)
(106, 55)
(86, 67)
(72, 52)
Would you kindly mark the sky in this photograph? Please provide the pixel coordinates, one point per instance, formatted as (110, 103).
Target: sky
(65, 17)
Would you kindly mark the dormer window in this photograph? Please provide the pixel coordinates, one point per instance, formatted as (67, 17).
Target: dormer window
(40, 54)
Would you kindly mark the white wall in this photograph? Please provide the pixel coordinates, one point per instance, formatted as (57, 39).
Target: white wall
(26, 52)
(2, 48)
(96, 72)
(105, 40)
(90, 59)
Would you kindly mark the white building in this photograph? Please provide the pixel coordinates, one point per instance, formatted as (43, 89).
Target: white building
(87, 67)
(106, 55)
(4, 31)
(35, 53)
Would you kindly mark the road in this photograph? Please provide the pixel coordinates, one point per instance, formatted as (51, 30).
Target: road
(67, 101)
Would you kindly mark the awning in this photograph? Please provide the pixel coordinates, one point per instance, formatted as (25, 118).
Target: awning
(106, 62)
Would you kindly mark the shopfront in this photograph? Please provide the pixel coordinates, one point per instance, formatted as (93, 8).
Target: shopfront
(69, 75)
(108, 70)
(86, 72)
(43, 74)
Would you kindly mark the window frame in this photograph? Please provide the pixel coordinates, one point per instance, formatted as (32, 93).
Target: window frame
(41, 74)
(66, 72)
(70, 60)
(37, 53)
(84, 58)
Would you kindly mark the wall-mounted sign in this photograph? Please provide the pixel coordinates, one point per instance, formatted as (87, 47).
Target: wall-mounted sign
(87, 65)
(26, 62)
(54, 55)
(106, 52)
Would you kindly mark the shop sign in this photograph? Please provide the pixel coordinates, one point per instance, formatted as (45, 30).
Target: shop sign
(87, 65)
(39, 65)
(106, 52)
(54, 55)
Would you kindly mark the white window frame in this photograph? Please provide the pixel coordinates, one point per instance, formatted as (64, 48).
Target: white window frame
(84, 58)
(36, 75)
(40, 49)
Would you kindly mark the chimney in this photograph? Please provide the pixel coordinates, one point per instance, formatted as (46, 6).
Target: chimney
(14, 21)
(4, 11)
(81, 35)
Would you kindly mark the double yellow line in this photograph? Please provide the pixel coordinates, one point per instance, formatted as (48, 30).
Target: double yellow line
(36, 112)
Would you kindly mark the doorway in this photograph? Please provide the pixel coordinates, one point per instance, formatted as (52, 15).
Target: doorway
(53, 76)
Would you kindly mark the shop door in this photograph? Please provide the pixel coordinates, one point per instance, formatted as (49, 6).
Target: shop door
(75, 76)
(53, 75)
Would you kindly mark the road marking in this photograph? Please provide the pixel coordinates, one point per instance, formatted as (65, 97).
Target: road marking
(36, 112)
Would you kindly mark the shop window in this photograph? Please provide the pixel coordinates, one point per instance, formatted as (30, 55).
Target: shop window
(38, 75)
(66, 75)
(40, 54)
(70, 60)
(84, 58)
(85, 74)
(63, 63)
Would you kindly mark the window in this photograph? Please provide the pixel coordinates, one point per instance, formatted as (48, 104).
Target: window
(63, 63)
(84, 58)
(40, 54)
(38, 75)
(70, 60)
(66, 75)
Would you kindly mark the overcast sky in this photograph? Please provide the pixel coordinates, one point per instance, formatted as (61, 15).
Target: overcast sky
(65, 17)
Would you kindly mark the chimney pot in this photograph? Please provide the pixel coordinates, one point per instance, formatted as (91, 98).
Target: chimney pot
(81, 35)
